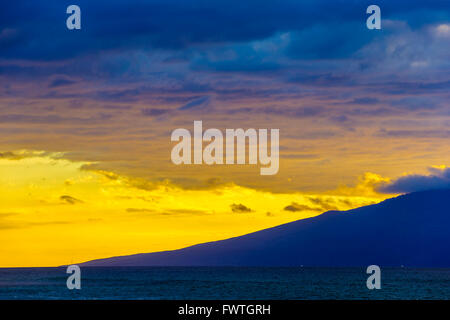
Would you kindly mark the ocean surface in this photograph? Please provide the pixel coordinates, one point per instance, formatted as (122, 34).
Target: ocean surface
(223, 283)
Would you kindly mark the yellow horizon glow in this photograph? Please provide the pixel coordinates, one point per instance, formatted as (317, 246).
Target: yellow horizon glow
(55, 211)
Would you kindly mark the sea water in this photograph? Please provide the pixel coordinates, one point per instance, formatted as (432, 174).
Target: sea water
(223, 283)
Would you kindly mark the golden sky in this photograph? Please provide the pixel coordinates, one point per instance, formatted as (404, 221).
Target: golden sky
(86, 118)
(57, 211)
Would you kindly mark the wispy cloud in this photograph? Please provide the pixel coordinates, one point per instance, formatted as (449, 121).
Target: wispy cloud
(70, 200)
(240, 208)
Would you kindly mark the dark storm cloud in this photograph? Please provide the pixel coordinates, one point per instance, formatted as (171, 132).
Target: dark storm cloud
(119, 40)
(438, 179)
(36, 29)
(170, 55)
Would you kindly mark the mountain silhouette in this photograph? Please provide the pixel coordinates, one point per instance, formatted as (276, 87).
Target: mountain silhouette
(411, 230)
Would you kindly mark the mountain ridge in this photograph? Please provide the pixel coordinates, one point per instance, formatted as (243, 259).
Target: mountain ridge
(395, 232)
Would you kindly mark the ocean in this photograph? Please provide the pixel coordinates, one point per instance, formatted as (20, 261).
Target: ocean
(239, 283)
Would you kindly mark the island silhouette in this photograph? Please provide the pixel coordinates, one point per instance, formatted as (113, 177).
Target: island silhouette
(411, 230)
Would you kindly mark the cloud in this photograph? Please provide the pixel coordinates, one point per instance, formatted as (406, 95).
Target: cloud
(20, 225)
(300, 112)
(364, 100)
(154, 112)
(322, 42)
(200, 102)
(52, 118)
(324, 204)
(6, 224)
(139, 210)
(294, 207)
(301, 156)
(416, 103)
(323, 28)
(60, 82)
(10, 155)
(439, 178)
(240, 208)
(186, 211)
(70, 200)
(22, 154)
(157, 64)
(414, 133)
(166, 212)
(366, 185)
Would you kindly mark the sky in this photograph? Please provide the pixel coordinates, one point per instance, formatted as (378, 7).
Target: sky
(86, 118)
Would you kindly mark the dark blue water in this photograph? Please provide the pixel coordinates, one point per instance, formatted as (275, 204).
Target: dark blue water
(224, 283)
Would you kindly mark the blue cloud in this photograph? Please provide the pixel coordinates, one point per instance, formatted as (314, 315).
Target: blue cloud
(60, 81)
(174, 50)
(325, 28)
(200, 102)
(439, 179)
